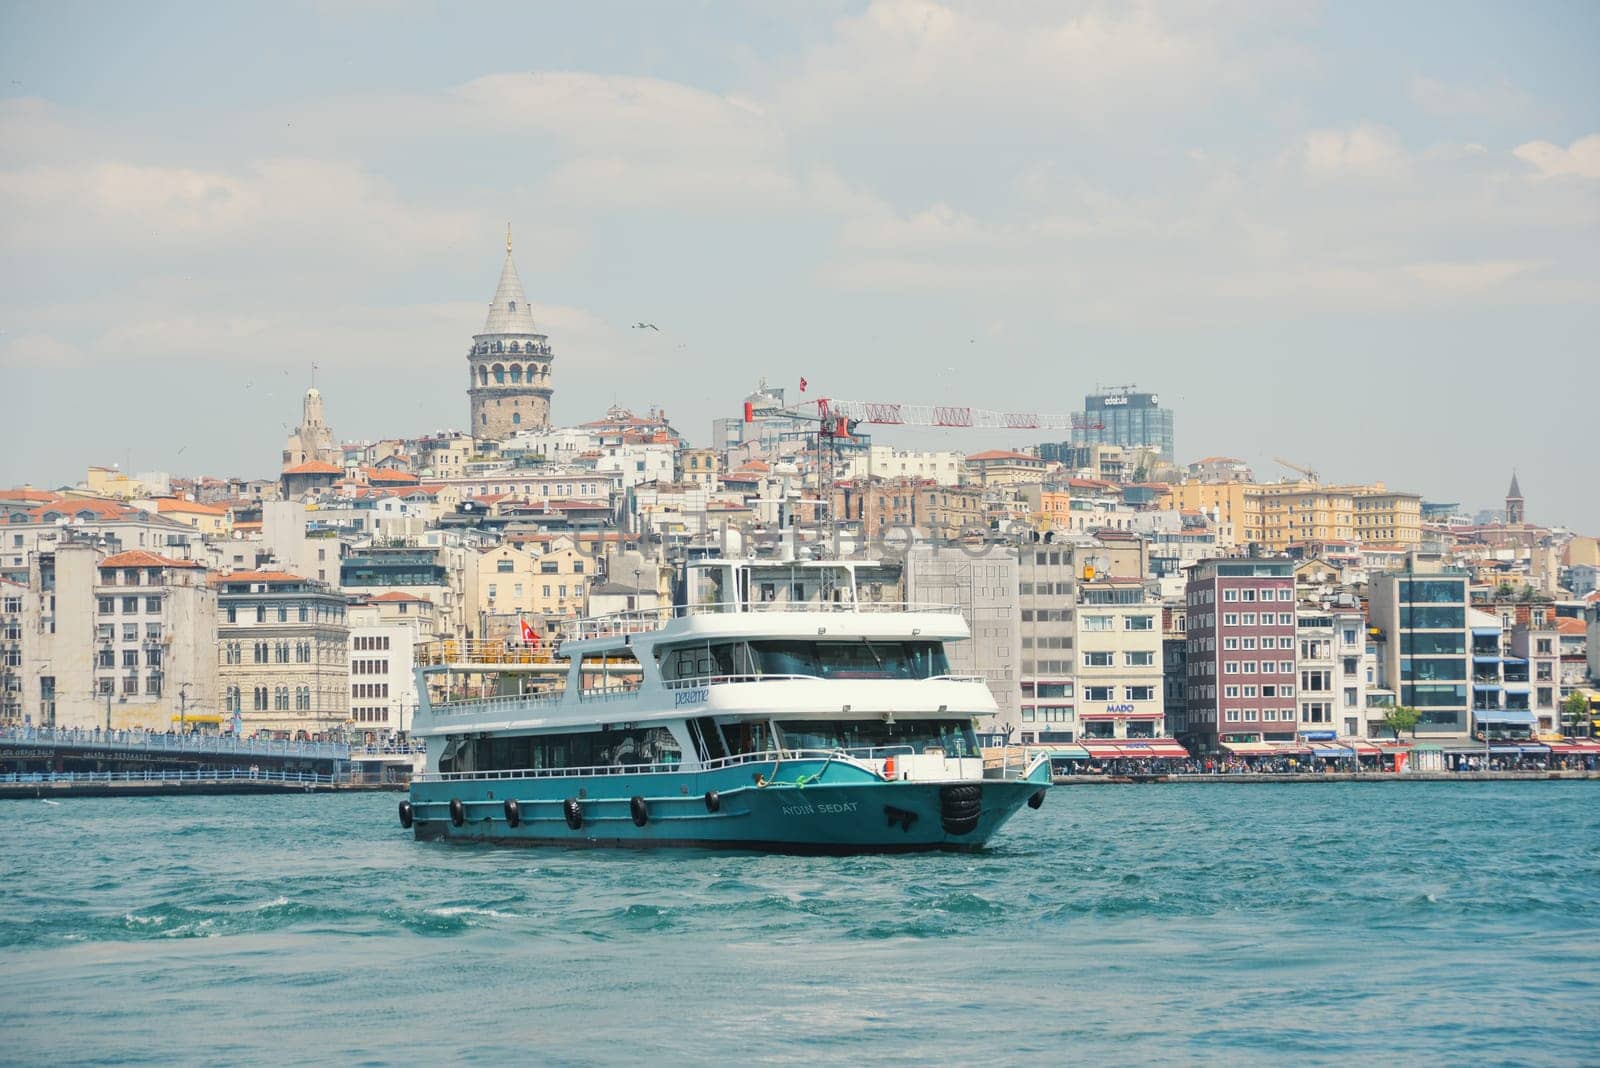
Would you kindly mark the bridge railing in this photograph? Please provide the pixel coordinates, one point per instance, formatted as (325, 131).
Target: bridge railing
(173, 743)
(195, 775)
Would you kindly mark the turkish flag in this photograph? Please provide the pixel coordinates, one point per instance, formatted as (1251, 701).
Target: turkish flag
(802, 385)
(529, 635)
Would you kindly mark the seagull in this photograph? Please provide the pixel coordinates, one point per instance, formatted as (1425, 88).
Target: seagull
(647, 326)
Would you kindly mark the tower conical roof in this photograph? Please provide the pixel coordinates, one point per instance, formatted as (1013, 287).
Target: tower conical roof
(1515, 492)
(509, 312)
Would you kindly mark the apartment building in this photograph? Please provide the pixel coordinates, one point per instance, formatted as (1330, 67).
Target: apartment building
(1424, 653)
(117, 640)
(283, 653)
(1119, 659)
(982, 581)
(1538, 648)
(1047, 599)
(437, 566)
(1241, 662)
(383, 688)
(943, 513)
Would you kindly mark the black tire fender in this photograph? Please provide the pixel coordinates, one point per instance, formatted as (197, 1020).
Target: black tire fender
(573, 810)
(713, 801)
(458, 811)
(639, 810)
(406, 818)
(513, 812)
(1036, 799)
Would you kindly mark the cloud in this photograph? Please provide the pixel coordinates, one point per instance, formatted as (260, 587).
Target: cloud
(1502, 101)
(1580, 159)
(1468, 277)
(39, 350)
(936, 66)
(313, 208)
(1367, 150)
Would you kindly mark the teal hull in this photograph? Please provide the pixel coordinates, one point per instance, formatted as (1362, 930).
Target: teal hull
(798, 807)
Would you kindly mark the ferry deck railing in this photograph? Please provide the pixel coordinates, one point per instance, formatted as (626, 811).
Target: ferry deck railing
(509, 702)
(501, 652)
(855, 754)
(644, 620)
(508, 653)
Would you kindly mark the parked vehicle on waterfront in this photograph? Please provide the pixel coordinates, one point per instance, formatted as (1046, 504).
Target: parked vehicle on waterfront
(782, 706)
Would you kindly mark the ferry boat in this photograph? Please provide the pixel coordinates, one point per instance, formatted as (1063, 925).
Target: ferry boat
(782, 706)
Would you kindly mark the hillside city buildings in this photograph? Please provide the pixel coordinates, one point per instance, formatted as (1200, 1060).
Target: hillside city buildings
(1121, 603)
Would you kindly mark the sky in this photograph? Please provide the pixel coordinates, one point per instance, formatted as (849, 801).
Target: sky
(1361, 236)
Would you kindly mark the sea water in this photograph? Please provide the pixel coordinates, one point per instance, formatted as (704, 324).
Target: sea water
(1423, 923)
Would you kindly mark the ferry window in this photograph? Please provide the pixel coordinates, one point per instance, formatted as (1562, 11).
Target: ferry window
(587, 749)
(852, 660)
(746, 737)
(954, 736)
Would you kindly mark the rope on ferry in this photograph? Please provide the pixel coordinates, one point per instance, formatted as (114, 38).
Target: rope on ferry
(801, 782)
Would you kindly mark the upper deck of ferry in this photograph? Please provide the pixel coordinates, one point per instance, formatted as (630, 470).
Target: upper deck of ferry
(720, 596)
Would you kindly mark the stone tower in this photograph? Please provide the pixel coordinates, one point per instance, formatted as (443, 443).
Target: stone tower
(1514, 503)
(509, 364)
(313, 438)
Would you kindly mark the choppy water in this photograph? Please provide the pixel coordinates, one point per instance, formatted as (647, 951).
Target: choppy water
(1169, 924)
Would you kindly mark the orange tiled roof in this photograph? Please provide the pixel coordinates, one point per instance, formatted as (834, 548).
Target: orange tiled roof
(379, 474)
(396, 595)
(313, 467)
(24, 494)
(1568, 625)
(77, 505)
(259, 576)
(142, 558)
(1003, 454)
(173, 504)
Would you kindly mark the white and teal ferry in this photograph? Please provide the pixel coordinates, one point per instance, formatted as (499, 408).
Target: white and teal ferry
(782, 707)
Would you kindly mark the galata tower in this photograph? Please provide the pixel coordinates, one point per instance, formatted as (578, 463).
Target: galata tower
(509, 364)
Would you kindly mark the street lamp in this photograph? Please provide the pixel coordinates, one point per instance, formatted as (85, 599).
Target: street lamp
(183, 708)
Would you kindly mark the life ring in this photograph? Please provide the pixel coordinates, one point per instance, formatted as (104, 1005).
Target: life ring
(639, 810)
(513, 812)
(713, 801)
(458, 811)
(574, 813)
(405, 815)
(1036, 799)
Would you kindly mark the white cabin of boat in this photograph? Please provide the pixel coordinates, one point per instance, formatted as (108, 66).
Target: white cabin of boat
(760, 656)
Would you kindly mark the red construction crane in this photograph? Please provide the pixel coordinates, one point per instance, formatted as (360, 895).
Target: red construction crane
(894, 413)
(837, 419)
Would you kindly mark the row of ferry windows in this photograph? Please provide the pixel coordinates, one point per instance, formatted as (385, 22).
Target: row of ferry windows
(587, 749)
(858, 659)
(656, 745)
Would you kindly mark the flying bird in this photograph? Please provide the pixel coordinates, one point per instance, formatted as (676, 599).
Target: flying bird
(647, 326)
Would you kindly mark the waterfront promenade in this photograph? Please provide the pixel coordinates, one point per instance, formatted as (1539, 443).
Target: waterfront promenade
(150, 783)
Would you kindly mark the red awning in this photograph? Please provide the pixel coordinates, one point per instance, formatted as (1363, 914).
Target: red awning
(1579, 746)
(1136, 749)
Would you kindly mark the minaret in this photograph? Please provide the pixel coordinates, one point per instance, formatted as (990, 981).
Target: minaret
(1514, 502)
(509, 364)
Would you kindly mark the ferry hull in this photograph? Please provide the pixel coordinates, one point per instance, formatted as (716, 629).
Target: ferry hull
(868, 816)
